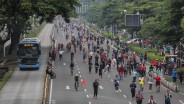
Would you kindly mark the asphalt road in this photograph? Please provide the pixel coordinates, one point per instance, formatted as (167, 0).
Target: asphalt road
(63, 92)
(26, 87)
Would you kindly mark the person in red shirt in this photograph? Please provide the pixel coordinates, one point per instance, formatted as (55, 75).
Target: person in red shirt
(144, 69)
(140, 69)
(121, 70)
(157, 79)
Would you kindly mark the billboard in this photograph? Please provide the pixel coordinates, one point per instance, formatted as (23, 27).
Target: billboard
(133, 20)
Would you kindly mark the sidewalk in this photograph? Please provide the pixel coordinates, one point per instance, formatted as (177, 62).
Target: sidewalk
(169, 78)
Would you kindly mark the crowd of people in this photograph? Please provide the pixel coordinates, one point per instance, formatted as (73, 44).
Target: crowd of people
(108, 58)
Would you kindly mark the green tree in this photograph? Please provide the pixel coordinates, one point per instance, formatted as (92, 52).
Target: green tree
(171, 30)
(15, 14)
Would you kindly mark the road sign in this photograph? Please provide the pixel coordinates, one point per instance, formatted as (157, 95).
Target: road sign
(133, 19)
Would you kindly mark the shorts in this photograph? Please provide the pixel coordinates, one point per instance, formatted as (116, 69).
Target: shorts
(157, 83)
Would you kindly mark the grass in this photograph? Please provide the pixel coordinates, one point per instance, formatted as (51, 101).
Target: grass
(36, 31)
(5, 78)
(150, 52)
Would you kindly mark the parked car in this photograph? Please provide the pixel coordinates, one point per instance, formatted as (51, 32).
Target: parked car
(135, 40)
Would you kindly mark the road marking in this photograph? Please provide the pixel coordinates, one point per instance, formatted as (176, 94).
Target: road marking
(119, 90)
(85, 90)
(50, 96)
(75, 63)
(130, 103)
(181, 102)
(89, 102)
(80, 76)
(124, 96)
(109, 76)
(67, 87)
(181, 93)
(100, 87)
(64, 63)
(79, 72)
(77, 68)
(111, 80)
(87, 96)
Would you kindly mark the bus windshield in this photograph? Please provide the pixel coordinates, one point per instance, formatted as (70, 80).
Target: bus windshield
(28, 51)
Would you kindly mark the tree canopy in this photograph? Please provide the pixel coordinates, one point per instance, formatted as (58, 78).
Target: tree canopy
(16, 13)
(163, 19)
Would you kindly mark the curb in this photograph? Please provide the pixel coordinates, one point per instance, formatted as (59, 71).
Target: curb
(45, 90)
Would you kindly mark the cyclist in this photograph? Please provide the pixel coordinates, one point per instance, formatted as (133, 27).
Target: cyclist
(76, 79)
(168, 97)
(71, 67)
(50, 72)
(116, 83)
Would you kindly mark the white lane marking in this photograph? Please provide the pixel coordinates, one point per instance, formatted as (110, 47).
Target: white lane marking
(85, 90)
(181, 93)
(100, 87)
(79, 72)
(80, 76)
(109, 76)
(119, 90)
(77, 68)
(64, 63)
(130, 103)
(111, 80)
(75, 63)
(89, 102)
(50, 96)
(181, 102)
(87, 96)
(67, 87)
(124, 96)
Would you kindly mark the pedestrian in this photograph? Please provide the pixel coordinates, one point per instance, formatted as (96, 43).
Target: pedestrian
(109, 63)
(121, 70)
(96, 67)
(141, 83)
(133, 89)
(181, 77)
(150, 82)
(151, 100)
(134, 73)
(95, 88)
(157, 80)
(174, 75)
(100, 70)
(96, 58)
(168, 97)
(139, 98)
(90, 67)
(116, 83)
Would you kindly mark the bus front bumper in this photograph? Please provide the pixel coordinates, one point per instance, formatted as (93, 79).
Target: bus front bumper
(35, 66)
